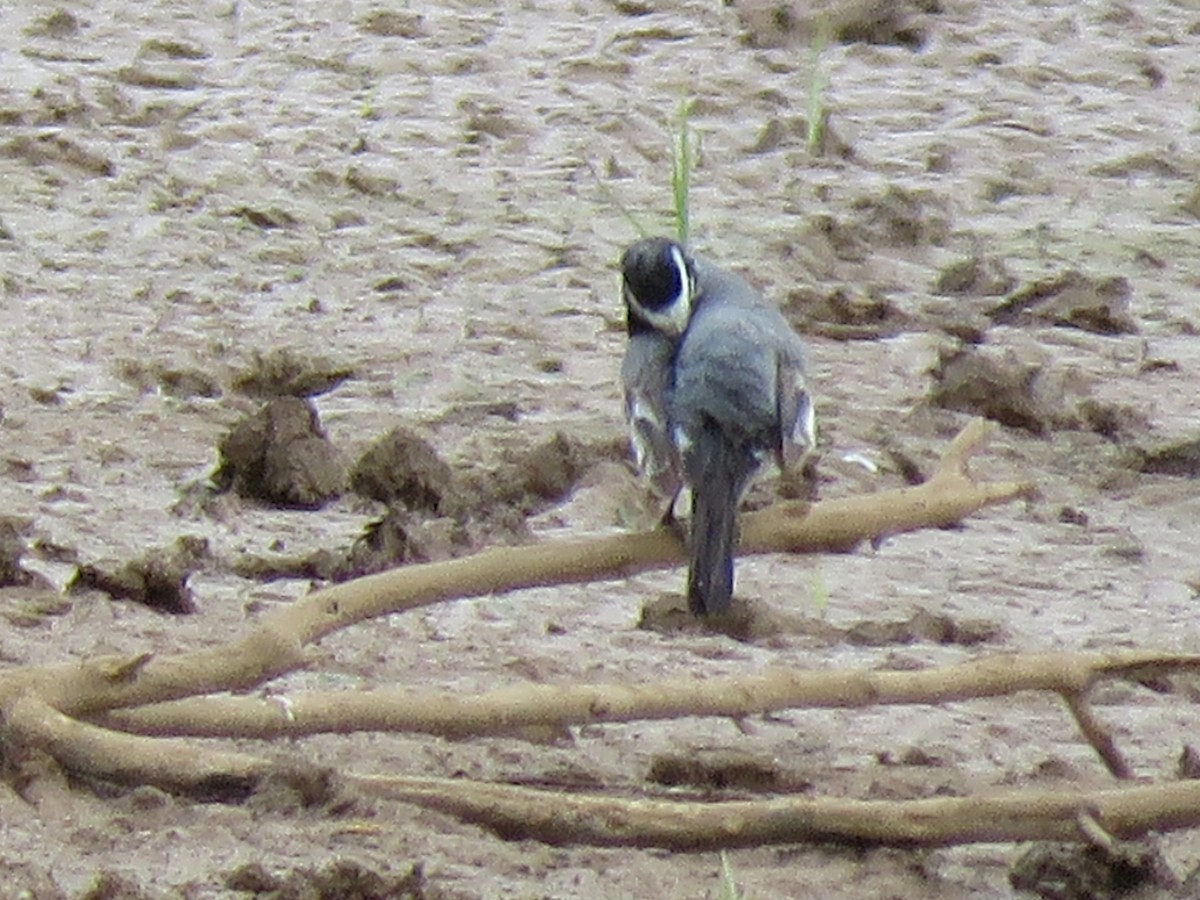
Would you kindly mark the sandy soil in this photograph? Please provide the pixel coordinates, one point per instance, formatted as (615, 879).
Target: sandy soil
(430, 201)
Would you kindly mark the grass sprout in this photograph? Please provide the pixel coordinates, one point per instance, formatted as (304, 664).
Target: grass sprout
(817, 112)
(728, 889)
(683, 162)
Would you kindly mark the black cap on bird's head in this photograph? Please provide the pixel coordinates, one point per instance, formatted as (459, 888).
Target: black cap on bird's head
(659, 285)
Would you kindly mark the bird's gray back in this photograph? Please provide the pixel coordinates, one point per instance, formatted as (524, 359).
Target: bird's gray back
(728, 366)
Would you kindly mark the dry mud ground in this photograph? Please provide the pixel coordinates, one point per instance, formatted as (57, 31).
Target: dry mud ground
(429, 199)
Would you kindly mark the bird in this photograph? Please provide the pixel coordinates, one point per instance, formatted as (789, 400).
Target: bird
(714, 384)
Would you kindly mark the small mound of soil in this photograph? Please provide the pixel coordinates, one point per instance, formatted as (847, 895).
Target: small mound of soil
(180, 383)
(1001, 386)
(292, 789)
(400, 537)
(280, 455)
(287, 373)
(844, 316)
(1075, 300)
(1086, 872)
(1180, 458)
(923, 625)
(752, 621)
(158, 580)
(112, 885)
(975, 276)
(13, 532)
(903, 218)
(769, 23)
(403, 467)
(722, 770)
(530, 479)
(340, 878)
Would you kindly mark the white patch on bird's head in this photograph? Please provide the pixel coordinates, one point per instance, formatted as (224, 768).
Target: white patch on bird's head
(669, 314)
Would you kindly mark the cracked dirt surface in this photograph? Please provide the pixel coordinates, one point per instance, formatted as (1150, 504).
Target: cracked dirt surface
(429, 202)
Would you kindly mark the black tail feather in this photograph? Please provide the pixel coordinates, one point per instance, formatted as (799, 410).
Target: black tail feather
(716, 487)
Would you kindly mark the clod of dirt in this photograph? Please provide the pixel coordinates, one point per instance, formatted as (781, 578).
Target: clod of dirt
(320, 565)
(111, 885)
(266, 219)
(750, 621)
(1070, 515)
(471, 413)
(341, 878)
(280, 455)
(529, 479)
(844, 316)
(1098, 305)
(181, 383)
(997, 385)
(171, 48)
(371, 183)
(786, 131)
(22, 879)
(1187, 767)
(552, 468)
(903, 218)
(394, 23)
(160, 77)
(771, 23)
(31, 607)
(1191, 205)
(923, 625)
(13, 532)
(284, 372)
(59, 24)
(291, 789)
(721, 770)
(1085, 872)
(919, 757)
(975, 276)
(1179, 458)
(394, 540)
(46, 149)
(158, 580)
(1110, 420)
(403, 466)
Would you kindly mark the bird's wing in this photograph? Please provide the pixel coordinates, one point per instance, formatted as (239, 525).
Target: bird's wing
(646, 373)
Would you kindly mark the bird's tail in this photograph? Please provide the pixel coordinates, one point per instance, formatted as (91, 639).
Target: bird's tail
(716, 487)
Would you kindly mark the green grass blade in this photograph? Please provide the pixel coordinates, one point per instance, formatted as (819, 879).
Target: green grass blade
(683, 161)
(728, 889)
(817, 113)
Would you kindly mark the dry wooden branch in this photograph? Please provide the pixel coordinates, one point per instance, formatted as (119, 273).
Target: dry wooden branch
(501, 711)
(98, 752)
(275, 645)
(521, 813)
(1097, 735)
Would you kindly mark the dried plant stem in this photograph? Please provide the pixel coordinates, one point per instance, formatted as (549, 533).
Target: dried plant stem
(98, 752)
(521, 813)
(501, 711)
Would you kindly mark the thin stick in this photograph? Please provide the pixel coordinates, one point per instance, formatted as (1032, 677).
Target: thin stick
(88, 750)
(1097, 734)
(454, 714)
(520, 813)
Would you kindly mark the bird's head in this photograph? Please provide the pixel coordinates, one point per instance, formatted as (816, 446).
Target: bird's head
(659, 286)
